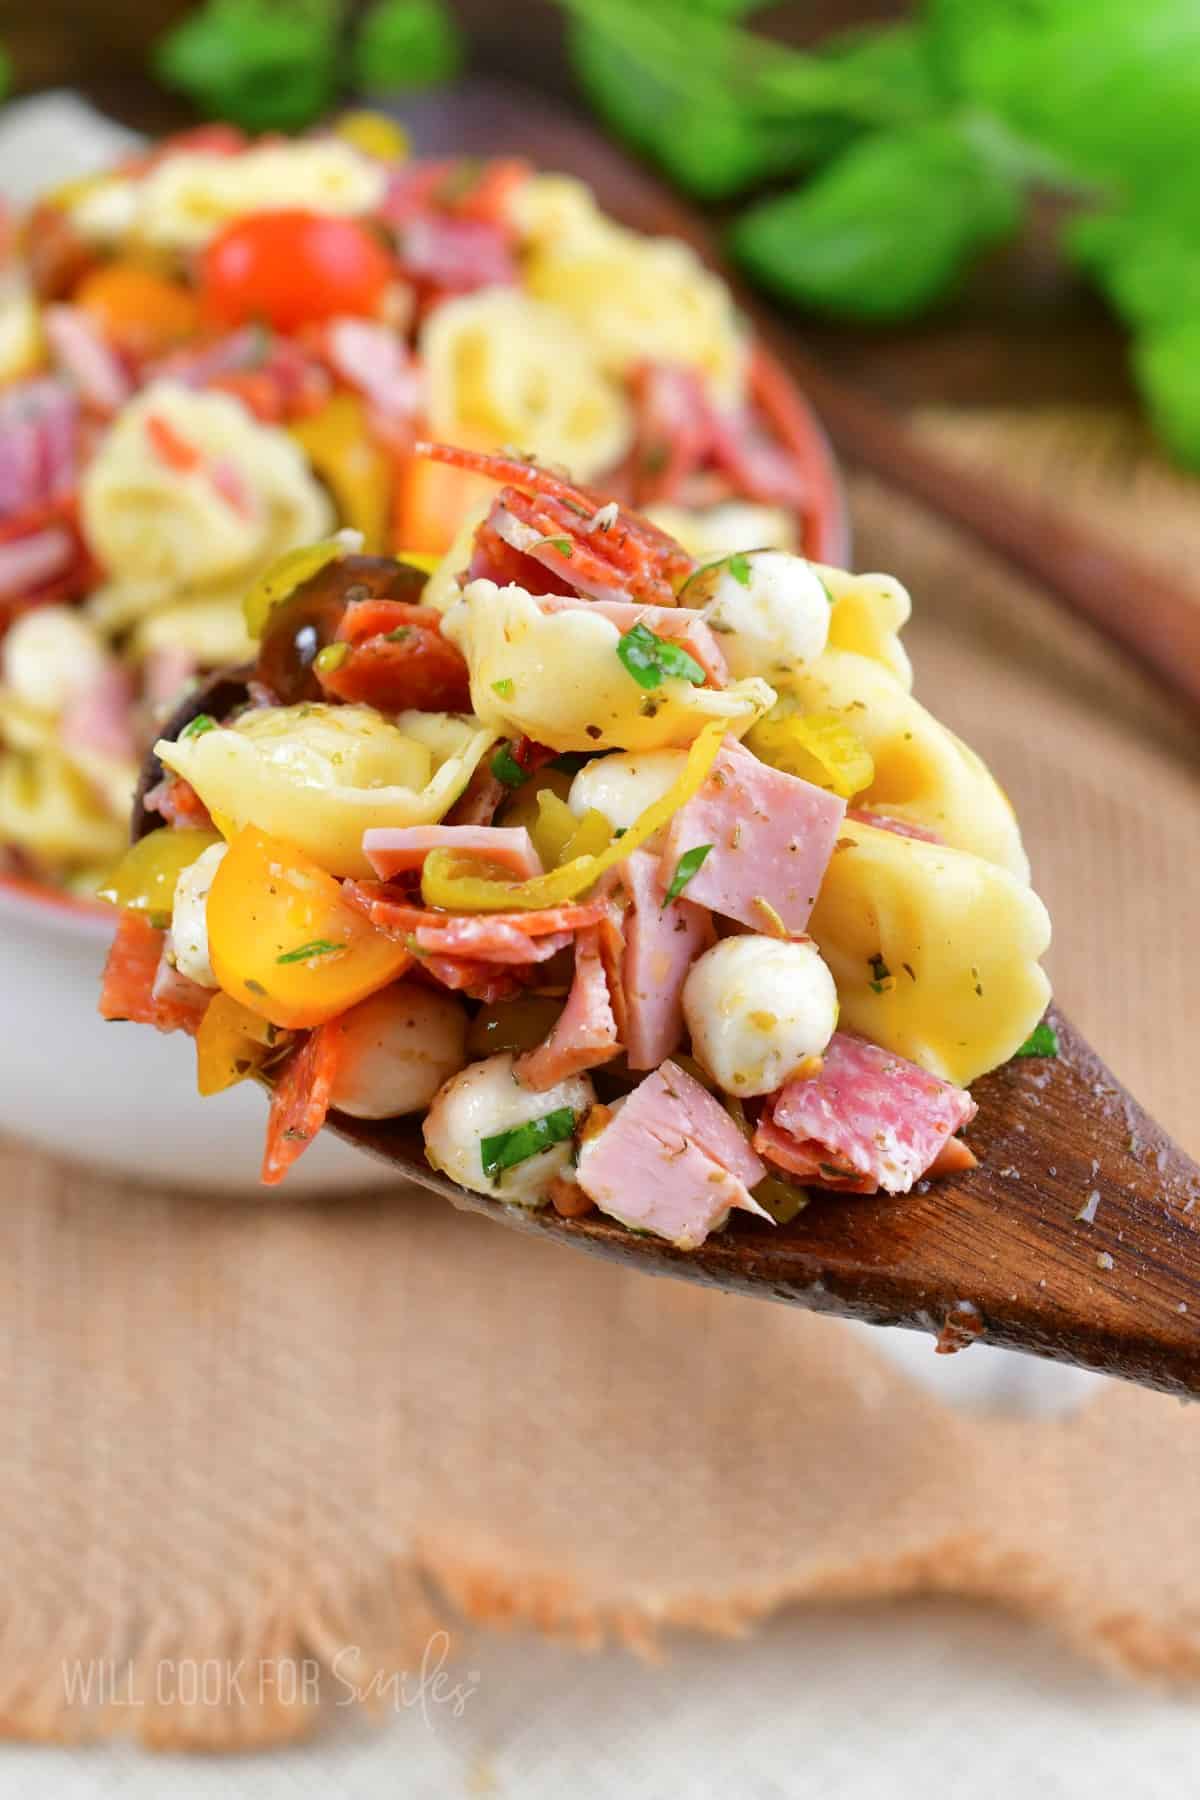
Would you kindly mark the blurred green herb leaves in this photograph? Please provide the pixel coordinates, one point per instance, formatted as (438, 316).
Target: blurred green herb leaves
(913, 148)
(279, 65)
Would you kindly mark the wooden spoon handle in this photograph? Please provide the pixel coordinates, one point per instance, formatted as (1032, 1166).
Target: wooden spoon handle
(1131, 601)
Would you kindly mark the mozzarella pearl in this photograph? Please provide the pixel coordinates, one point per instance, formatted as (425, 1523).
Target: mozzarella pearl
(189, 917)
(624, 785)
(484, 1100)
(769, 609)
(757, 1008)
(50, 655)
(398, 1048)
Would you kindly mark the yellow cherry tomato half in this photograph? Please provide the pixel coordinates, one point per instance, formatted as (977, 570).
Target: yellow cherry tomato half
(144, 879)
(231, 1043)
(284, 942)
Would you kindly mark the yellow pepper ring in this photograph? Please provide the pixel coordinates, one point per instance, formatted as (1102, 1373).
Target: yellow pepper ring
(443, 885)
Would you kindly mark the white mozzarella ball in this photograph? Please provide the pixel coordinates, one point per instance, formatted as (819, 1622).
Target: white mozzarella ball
(50, 655)
(770, 611)
(757, 1008)
(622, 786)
(397, 1049)
(189, 917)
(486, 1100)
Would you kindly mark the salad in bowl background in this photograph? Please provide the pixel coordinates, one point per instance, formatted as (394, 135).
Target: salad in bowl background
(222, 349)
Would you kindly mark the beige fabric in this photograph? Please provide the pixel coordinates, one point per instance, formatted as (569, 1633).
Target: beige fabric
(281, 1431)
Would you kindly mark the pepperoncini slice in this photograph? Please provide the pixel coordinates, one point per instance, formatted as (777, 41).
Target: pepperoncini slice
(144, 879)
(284, 576)
(444, 883)
(283, 941)
(232, 1042)
(819, 747)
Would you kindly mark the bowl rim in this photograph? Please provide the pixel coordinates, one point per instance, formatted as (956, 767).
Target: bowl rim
(94, 919)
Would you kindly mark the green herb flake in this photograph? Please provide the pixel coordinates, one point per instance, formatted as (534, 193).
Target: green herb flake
(561, 544)
(398, 636)
(739, 568)
(200, 724)
(651, 659)
(506, 768)
(1042, 1041)
(330, 658)
(303, 952)
(508, 1148)
(882, 980)
(503, 688)
(687, 866)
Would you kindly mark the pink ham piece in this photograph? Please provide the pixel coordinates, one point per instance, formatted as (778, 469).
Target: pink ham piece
(678, 624)
(771, 835)
(661, 944)
(394, 850)
(585, 1032)
(82, 353)
(671, 1161)
(374, 360)
(99, 718)
(28, 563)
(870, 1119)
(39, 444)
(455, 255)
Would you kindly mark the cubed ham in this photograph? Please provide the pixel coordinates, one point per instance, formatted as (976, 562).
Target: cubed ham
(29, 563)
(678, 624)
(662, 941)
(455, 256)
(39, 442)
(80, 351)
(870, 1119)
(393, 850)
(771, 837)
(99, 718)
(374, 360)
(585, 1033)
(671, 1161)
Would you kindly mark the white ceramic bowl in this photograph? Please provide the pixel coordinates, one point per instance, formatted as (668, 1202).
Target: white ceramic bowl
(121, 1097)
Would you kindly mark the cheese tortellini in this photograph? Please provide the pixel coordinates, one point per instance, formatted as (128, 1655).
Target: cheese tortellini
(934, 951)
(923, 773)
(638, 299)
(556, 676)
(713, 532)
(867, 616)
(186, 198)
(502, 368)
(187, 491)
(318, 775)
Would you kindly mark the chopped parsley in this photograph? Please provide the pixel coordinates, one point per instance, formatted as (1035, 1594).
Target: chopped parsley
(506, 768)
(503, 688)
(508, 1148)
(398, 635)
(882, 980)
(315, 947)
(833, 602)
(561, 544)
(200, 724)
(650, 659)
(685, 868)
(739, 568)
(1042, 1041)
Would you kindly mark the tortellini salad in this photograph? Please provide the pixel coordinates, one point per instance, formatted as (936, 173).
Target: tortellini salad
(638, 877)
(223, 349)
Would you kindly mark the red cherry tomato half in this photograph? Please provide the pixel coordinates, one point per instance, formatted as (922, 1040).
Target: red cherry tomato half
(288, 268)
